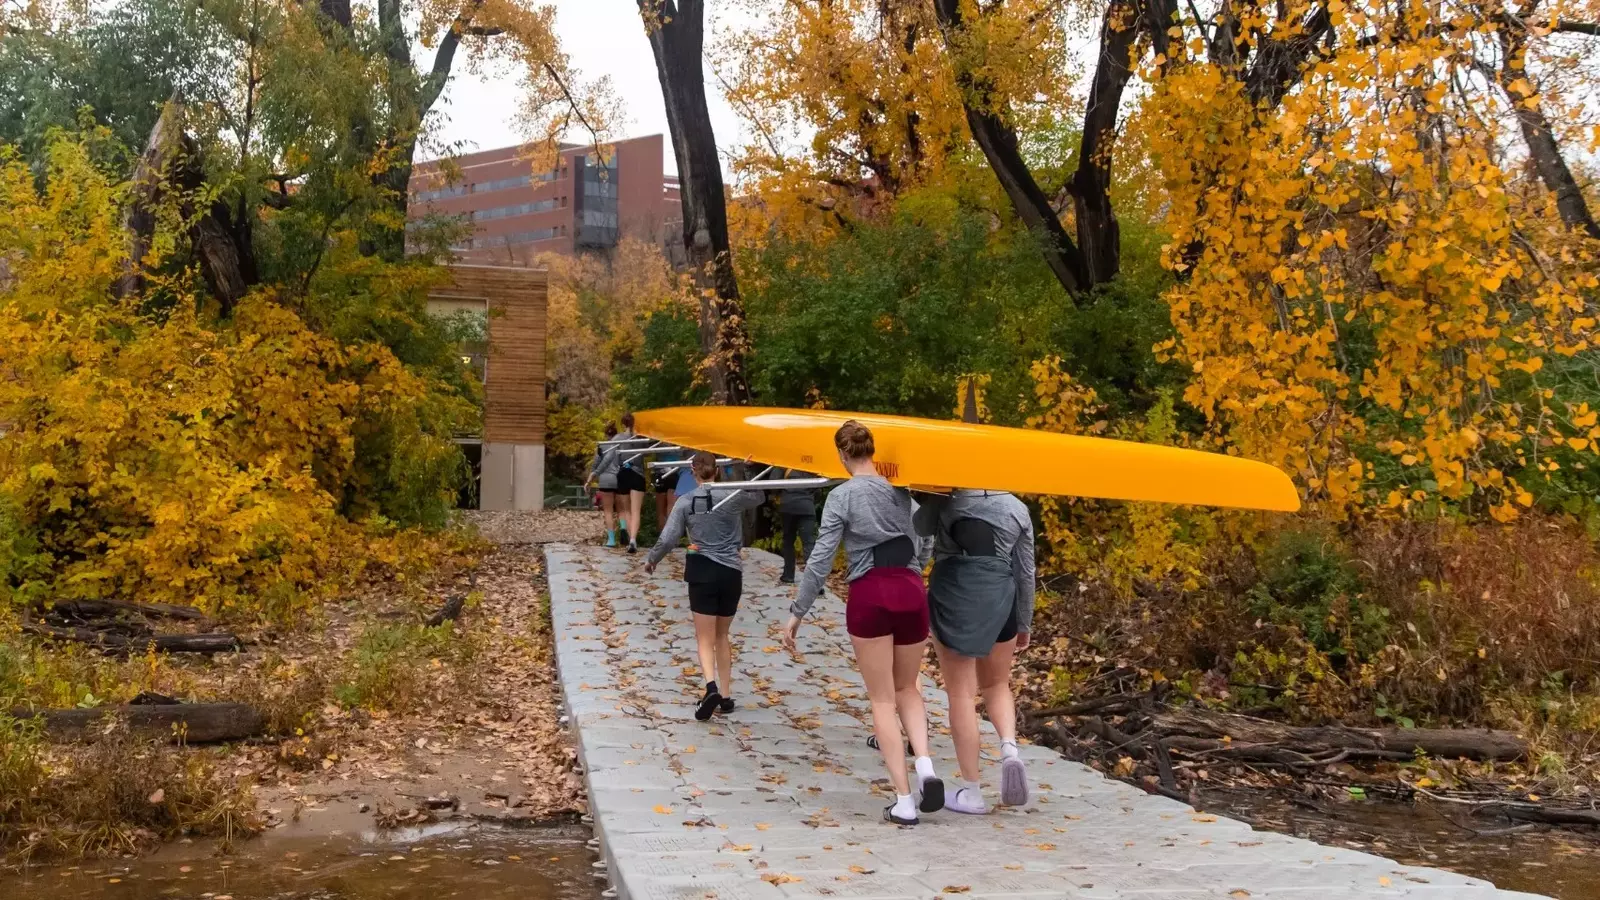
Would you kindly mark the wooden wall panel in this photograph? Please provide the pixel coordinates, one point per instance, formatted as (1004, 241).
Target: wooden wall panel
(515, 372)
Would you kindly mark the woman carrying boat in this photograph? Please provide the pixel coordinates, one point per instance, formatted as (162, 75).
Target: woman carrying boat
(630, 485)
(980, 598)
(603, 477)
(886, 613)
(714, 571)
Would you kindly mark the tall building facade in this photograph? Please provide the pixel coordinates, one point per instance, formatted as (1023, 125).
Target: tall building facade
(586, 202)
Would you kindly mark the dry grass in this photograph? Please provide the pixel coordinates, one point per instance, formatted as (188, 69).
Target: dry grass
(119, 794)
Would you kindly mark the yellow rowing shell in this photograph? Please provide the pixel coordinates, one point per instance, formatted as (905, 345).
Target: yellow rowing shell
(934, 455)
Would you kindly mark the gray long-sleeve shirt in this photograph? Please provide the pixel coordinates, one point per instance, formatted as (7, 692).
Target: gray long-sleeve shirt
(1013, 535)
(608, 461)
(717, 534)
(862, 513)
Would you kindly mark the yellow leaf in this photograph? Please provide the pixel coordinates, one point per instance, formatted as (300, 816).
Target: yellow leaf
(662, 810)
(779, 878)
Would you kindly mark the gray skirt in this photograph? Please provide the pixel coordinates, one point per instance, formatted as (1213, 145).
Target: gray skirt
(969, 600)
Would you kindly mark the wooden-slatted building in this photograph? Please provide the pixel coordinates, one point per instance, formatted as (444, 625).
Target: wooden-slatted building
(509, 455)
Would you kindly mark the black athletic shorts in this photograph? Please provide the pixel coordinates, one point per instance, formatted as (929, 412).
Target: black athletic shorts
(629, 480)
(714, 589)
(1008, 630)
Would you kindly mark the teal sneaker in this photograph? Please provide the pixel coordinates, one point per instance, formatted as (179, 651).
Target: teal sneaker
(611, 538)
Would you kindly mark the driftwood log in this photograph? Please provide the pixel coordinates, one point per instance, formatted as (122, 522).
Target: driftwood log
(123, 643)
(1242, 732)
(193, 723)
(92, 609)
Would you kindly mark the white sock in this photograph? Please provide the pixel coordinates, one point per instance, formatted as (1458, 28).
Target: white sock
(925, 768)
(1008, 750)
(903, 807)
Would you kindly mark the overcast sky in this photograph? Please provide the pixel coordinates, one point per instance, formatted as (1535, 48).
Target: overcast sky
(603, 37)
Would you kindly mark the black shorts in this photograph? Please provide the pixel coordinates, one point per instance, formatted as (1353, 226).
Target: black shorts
(629, 480)
(1008, 630)
(715, 590)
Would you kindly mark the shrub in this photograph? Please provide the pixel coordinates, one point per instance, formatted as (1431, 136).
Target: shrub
(152, 453)
(1307, 583)
(388, 669)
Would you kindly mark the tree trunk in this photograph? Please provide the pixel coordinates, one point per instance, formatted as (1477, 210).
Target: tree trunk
(1000, 147)
(171, 163)
(146, 188)
(193, 723)
(1099, 236)
(677, 38)
(1541, 137)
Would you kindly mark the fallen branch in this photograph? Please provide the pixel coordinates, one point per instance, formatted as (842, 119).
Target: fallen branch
(89, 609)
(193, 723)
(1445, 743)
(117, 643)
(1098, 704)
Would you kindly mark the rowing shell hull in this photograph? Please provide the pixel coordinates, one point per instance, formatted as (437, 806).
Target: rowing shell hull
(934, 455)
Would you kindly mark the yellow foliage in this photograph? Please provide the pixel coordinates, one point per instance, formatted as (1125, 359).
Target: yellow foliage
(148, 455)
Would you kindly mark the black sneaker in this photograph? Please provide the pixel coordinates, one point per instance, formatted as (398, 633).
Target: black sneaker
(786, 579)
(708, 703)
(632, 547)
(726, 705)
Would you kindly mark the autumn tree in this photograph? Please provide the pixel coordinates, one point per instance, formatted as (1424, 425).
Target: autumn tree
(676, 29)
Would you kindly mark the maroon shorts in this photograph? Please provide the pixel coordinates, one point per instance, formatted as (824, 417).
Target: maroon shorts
(889, 600)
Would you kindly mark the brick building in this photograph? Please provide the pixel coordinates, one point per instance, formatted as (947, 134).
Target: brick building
(584, 203)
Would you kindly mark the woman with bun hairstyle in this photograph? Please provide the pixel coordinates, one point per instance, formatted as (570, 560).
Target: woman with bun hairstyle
(886, 612)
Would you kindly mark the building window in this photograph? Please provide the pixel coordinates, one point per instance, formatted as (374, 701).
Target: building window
(517, 209)
(519, 237)
(454, 190)
(596, 204)
(501, 184)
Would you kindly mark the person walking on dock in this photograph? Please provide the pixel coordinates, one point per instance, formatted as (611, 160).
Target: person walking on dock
(714, 571)
(630, 485)
(980, 598)
(603, 477)
(797, 508)
(886, 612)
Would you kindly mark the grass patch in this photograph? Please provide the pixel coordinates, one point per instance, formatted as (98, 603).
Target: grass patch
(396, 668)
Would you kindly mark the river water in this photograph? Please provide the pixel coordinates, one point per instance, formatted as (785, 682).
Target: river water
(482, 862)
(475, 863)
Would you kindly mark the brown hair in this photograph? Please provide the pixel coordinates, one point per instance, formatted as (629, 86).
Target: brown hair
(704, 465)
(611, 431)
(854, 440)
(627, 421)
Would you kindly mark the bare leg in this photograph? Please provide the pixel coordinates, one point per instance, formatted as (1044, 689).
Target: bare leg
(961, 686)
(608, 506)
(635, 507)
(705, 639)
(724, 656)
(663, 506)
(908, 698)
(994, 679)
(877, 658)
